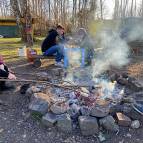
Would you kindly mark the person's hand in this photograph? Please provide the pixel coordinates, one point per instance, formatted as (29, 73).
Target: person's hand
(57, 39)
(11, 71)
(11, 76)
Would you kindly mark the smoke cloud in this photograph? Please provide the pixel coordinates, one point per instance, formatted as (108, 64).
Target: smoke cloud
(110, 48)
(113, 51)
(135, 31)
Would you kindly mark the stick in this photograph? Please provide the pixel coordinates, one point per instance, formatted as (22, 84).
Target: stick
(70, 87)
(24, 73)
(42, 81)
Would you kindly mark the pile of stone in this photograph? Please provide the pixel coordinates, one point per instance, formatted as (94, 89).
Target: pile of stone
(87, 109)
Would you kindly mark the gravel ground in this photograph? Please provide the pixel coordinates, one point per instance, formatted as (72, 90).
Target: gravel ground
(17, 126)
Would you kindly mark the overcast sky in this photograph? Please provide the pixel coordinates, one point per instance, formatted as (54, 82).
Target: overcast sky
(110, 7)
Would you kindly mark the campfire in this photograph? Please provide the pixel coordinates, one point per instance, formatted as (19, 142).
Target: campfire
(105, 103)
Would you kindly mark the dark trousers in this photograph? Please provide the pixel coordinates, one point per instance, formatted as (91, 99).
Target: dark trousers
(2, 84)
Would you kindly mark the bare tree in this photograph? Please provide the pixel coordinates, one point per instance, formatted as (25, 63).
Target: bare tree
(21, 10)
(125, 8)
(101, 9)
(140, 11)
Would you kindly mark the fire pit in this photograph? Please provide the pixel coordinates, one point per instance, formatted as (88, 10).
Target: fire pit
(102, 105)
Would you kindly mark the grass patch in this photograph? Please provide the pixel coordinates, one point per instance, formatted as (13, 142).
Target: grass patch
(9, 48)
(9, 40)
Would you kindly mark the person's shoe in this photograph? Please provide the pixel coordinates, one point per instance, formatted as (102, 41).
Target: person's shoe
(60, 64)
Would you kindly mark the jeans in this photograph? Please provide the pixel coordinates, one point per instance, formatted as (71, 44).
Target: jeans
(57, 50)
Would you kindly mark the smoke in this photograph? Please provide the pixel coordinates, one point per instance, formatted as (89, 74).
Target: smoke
(135, 31)
(113, 51)
(74, 57)
(109, 50)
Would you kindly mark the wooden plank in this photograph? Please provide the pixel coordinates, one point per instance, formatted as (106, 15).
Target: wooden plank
(43, 57)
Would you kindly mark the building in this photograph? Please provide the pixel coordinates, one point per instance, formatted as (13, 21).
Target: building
(9, 28)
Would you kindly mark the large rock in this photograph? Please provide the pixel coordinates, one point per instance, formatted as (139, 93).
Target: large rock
(135, 124)
(31, 90)
(88, 125)
(109, 124)
(39, 106)
(42, 76)
(40, 103)
(58, 108)
(64, 123)
(85, 111)
(101, 109)
(116, 108)
(57, 72)
(134, 84)
(49, 119)
(114, 77)
(74, 112)
(122, 81)
(132, 113)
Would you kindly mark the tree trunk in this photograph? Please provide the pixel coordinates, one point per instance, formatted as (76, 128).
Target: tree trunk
(101, 9)
(22, 13)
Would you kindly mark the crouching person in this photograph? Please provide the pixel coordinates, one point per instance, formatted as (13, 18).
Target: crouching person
(5, 73)
(53, 44)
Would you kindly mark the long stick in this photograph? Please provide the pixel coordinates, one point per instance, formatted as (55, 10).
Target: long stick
(24, 73)
(37, 81)
(46, 82)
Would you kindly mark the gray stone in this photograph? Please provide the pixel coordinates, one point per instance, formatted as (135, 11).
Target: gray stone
(64, 123)
(128, 100)
(49, 119)
(134, 84)
(99, 111)
(122, 81)
(74, 112)
(135, 124)
(57, 72)
(132, 113)
(101, 137)
(114, 77)
(116, 108)
(58, 108)
(39, 106)
(109, 124)
(42, 76)
(85, 111)
(88, 125)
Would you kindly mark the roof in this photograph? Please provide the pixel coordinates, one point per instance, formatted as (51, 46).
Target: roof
(7, 20)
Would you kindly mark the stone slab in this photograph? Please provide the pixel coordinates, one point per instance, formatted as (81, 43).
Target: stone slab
(88, 125)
